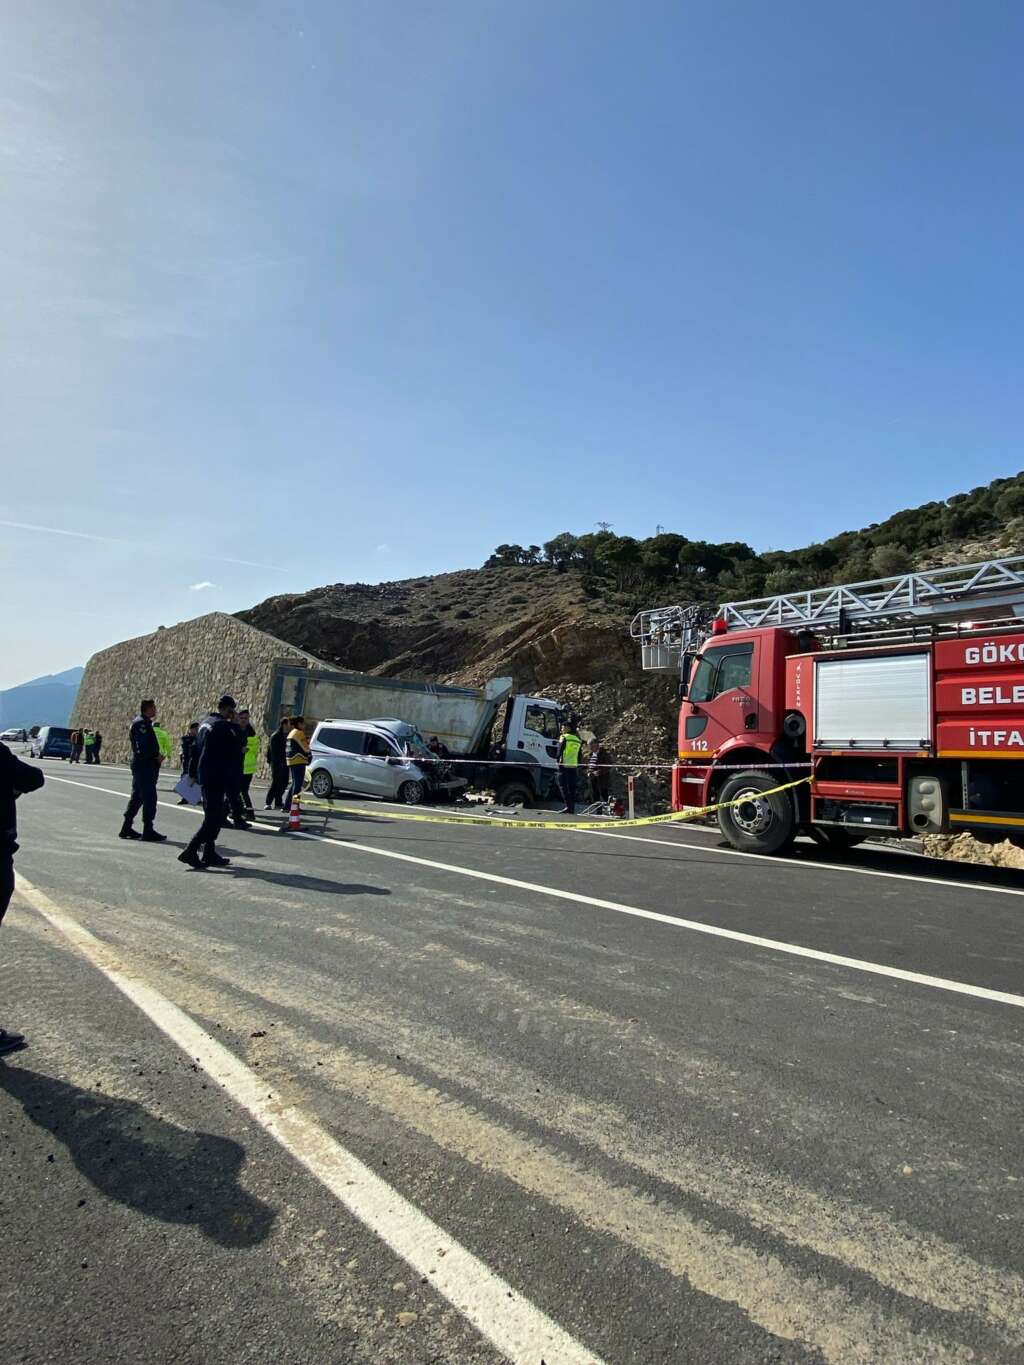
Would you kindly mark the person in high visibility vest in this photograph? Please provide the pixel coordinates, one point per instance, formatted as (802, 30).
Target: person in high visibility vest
(88, 739)
(569, 746)
(163, 739)
(298, 754)
(250, 757)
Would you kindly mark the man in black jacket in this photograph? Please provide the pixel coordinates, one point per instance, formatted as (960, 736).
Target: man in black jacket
(145, 762)
(215, 763)
(16, 778)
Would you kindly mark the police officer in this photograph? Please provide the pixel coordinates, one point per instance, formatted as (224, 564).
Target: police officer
(215, 764)
(145, 761)
(569, 746)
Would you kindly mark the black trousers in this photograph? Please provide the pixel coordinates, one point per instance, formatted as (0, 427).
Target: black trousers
(233, 807)
(6, 881)
(278, 784)
(143, 797)
(214, 804)
(567, 778)
(246, 798)
(598, 782)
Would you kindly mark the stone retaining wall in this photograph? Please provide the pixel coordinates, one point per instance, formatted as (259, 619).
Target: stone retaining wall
(185, 668)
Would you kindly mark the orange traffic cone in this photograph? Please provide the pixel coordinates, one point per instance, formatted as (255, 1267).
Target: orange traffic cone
(293, 814)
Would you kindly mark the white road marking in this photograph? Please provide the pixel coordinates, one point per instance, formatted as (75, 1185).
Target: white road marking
(676, 921)
(515, 1326)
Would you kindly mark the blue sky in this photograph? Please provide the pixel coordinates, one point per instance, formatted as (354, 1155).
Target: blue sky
(321, 291)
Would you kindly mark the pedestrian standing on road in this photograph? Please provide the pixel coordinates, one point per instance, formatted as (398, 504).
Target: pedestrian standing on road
(250, 757)
(569, 746)
(97, 745)
(188, 744)
(277, 755)
(145, 762)
(234, 807)
(16, 778)
(88, 740)
(298, 754)
(163, 739)
(215, 768)
(598, 774)
(76, 746)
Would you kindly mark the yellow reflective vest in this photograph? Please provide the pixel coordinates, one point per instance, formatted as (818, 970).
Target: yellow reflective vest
(252, 753)
(163, 739)
(571, 746)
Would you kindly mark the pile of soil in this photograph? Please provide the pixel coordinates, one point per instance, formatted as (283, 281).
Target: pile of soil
(964, 848)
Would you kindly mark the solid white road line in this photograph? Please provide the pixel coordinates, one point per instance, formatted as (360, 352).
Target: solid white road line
(514, 1325)
(676, 921)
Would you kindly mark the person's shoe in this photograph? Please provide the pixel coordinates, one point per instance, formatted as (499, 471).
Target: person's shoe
(182, 802)
(190, 856)
(216, 860)
(10, 1042)
(152, 836)
(126, 832)
(239, 824)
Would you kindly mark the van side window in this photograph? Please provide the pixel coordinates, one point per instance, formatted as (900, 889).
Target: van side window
(378, 747)
(345, 741)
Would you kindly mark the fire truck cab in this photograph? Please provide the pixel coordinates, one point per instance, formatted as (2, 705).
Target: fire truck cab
(902, 699)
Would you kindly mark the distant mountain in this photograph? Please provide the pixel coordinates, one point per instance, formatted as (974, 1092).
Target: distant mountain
(48, 700)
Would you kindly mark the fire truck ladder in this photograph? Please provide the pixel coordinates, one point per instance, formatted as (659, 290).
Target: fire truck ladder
(904, 600)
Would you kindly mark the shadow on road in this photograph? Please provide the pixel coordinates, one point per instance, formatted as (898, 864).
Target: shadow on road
(142, 1161)
(300, 882)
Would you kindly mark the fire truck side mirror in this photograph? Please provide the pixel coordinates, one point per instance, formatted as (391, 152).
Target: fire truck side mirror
(682, 689)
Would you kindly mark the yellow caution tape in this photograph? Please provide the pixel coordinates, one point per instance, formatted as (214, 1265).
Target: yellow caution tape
(691, 813)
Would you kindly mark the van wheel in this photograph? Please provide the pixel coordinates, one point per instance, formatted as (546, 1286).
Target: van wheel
(322, 784)
(412, 793)
(837, 840)
(757, 823)
(514, 794)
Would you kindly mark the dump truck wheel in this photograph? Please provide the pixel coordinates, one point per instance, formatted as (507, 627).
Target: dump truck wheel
(758, 823)
(513, 794)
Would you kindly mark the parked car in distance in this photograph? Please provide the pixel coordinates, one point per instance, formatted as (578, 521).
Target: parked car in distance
(15, 735)
(52, 741)
(384, 758)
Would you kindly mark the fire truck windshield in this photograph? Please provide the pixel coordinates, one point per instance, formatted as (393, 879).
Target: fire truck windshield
(719, 669)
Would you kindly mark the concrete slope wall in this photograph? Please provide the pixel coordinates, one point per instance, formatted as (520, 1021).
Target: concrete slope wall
(185, 668)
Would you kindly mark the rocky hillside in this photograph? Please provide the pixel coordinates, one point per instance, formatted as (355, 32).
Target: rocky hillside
(546, 628)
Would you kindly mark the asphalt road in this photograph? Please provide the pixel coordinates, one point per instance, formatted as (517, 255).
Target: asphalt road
(522, 1097)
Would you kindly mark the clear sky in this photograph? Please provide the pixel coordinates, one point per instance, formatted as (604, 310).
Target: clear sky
(313, 291)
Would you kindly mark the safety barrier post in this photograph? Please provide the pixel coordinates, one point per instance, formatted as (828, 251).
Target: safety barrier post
(631, 793)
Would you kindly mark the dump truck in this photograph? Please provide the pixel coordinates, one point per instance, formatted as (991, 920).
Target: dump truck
(520, 768)
(901, 698)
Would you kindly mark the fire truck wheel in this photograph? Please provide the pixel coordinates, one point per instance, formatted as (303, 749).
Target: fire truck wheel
(835, 839)
(757, 823)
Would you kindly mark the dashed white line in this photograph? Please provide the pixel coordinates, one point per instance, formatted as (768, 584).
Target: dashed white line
(675, 921)
(514, 1325)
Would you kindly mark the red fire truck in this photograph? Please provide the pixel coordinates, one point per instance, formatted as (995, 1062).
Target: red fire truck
(902, 698)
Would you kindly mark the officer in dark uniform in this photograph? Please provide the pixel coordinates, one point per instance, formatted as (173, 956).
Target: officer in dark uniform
(16, 778)
(145, 761)
(215, 763)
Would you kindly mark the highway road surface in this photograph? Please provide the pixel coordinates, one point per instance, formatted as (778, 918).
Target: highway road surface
(446, 1093)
